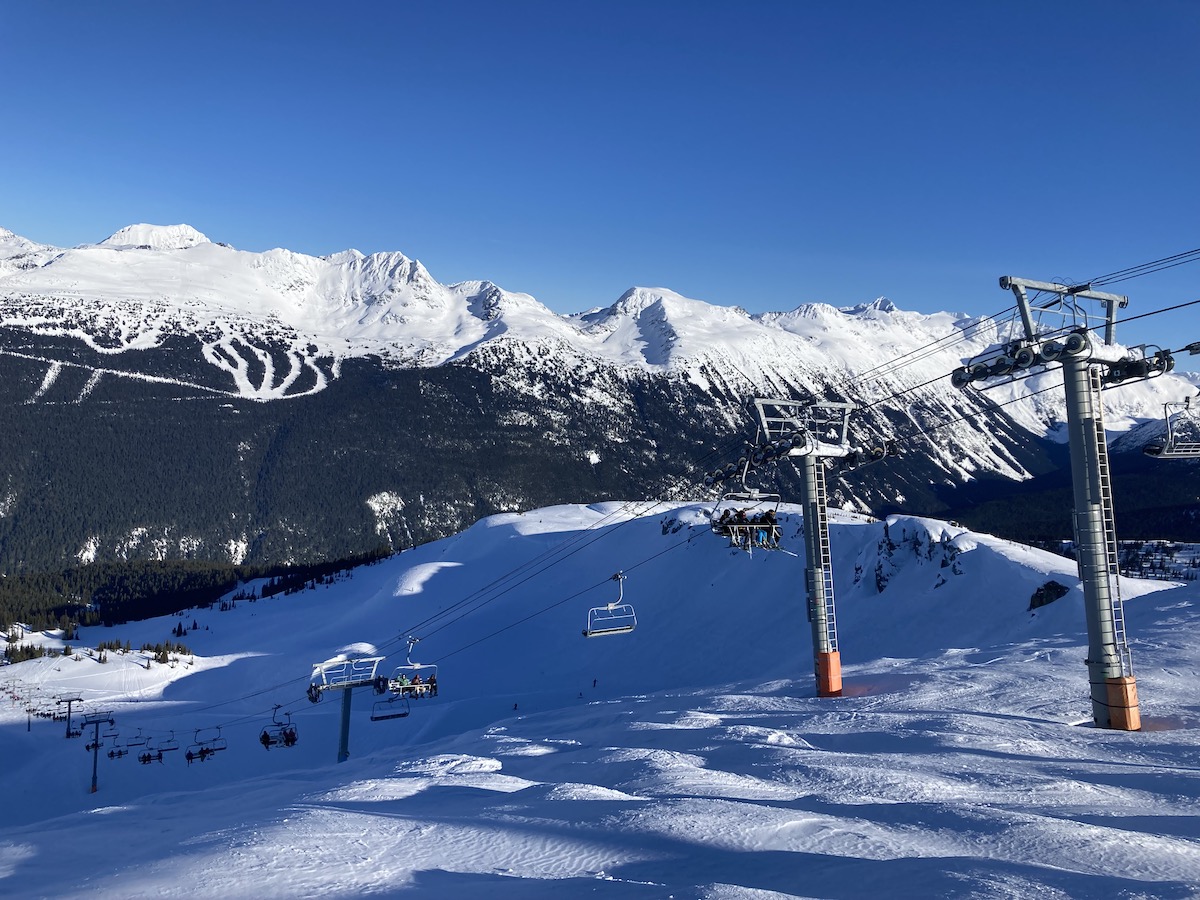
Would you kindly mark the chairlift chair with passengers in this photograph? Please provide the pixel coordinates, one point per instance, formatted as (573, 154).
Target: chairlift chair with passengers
(614, 618)
(411, 680)
(279, 734)
(738, 514)
(204, 747)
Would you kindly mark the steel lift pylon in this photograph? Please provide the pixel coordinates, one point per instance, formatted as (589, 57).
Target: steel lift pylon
(816, 432)
(1087, 367)
(345, 672)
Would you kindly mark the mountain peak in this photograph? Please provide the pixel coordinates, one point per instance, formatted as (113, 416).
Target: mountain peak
(880, 304)
(155, 237)
(637, 300)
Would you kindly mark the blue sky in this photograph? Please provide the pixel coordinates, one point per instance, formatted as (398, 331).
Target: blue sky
(761, 154)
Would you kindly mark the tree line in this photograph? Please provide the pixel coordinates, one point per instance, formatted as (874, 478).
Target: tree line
(113, 593)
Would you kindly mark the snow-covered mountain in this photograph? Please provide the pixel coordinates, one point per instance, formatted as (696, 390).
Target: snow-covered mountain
(688, 758)
(642, 390)
(129, 290)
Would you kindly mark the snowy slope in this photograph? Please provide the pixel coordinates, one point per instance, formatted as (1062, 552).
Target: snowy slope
(145, 282)
(689, 758)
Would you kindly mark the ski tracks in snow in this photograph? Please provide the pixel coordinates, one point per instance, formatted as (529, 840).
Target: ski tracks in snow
(259, 374)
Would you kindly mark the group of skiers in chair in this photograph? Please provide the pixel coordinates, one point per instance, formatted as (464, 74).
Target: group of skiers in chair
(286, 736)
(417, 687)
(202, 754)
(406, 687)
(746, 531)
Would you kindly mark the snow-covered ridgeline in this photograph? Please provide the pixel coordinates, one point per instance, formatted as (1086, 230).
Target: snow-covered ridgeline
(144, 282)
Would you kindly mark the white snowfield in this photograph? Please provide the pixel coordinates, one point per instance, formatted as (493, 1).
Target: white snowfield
(147, 281)
(687, 759)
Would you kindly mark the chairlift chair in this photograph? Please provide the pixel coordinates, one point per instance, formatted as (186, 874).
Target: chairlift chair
(203, 748)
(755, 505)
(1174, 448)
(614, 618)
(396, 707)
(218, 742)
(750, 501)
(279, 734)
(138, 740)
(168, 745)
(410, 680)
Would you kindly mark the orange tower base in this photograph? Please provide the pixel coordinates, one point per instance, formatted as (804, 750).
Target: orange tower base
(829, 674)
(1123, 713)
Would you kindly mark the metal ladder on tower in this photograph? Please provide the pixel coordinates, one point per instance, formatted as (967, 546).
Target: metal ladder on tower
(826, 558)
(1111, 551)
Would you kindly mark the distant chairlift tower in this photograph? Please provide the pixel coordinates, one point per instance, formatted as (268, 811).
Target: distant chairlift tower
(815, 431)
(70, 701)
(1086, 367)
(345, 672)
(96, 720)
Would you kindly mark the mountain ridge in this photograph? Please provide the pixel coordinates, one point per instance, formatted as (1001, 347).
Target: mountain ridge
(386, 304)
(319, 406)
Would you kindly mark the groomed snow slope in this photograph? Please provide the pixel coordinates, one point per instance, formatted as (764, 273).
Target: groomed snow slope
(687, 759)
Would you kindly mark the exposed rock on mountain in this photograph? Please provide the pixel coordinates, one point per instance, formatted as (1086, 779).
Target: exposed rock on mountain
(170, 396)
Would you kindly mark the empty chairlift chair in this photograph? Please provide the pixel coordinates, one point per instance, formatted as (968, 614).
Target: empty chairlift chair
(614, 618)
(395, 707)
(1182, 432)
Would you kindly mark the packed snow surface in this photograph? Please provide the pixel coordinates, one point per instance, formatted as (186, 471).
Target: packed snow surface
(687, 759)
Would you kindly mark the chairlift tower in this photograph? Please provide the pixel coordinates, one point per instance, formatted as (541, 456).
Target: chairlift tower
(1086, 367)
(96, 719)
(813, 432)
(69, 701)
(344, 673)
